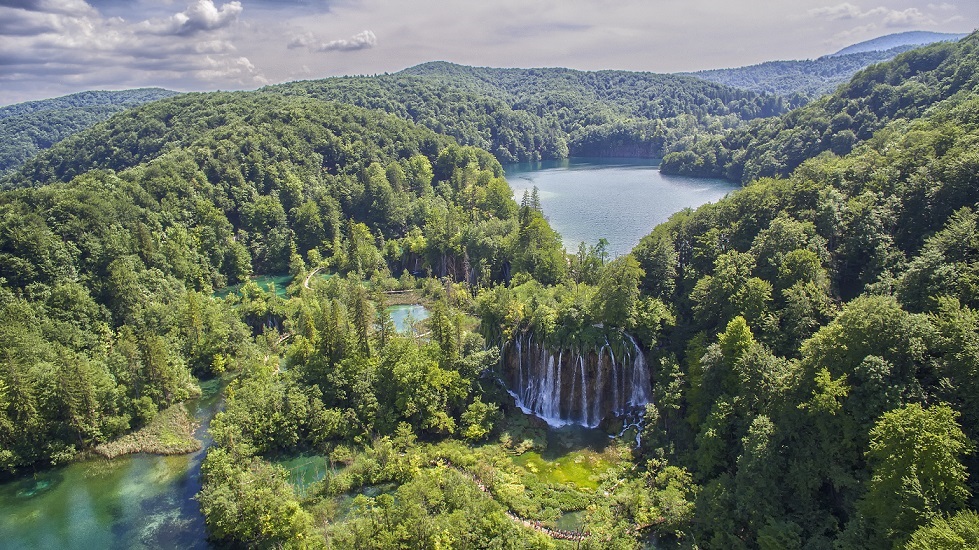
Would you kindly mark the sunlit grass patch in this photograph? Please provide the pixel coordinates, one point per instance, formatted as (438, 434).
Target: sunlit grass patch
(580, 468)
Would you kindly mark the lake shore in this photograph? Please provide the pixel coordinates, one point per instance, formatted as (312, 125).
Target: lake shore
(171, 432)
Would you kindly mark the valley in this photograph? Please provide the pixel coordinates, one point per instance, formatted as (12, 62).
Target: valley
(438, 309)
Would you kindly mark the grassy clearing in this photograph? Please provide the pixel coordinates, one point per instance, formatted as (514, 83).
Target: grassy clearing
(171, 432)
(583, 469)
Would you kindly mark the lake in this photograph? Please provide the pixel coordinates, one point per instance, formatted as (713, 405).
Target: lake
(621, 200)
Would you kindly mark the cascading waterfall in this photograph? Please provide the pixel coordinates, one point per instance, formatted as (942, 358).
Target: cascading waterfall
(574, 386)
(640, 378)
(598, 393)
(583, 397)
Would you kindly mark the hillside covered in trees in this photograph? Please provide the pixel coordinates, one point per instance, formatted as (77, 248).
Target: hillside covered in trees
(518, 115)
(106, 278)
(811, 341)
(533, 114)
(904, 88)
(33, 126)
(809, 78)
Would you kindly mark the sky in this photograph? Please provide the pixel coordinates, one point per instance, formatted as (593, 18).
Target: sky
(50, 48)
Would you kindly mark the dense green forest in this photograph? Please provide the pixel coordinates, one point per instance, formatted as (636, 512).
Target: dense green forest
(518, 115)
(533, 114)
(106, 278)
(904, 88)
(33, 126)
(812, 339)
(809, 78)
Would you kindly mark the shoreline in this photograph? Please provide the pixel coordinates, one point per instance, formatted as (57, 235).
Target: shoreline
(170, 433)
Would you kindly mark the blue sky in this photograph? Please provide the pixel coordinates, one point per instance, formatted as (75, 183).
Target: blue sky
(54, 47)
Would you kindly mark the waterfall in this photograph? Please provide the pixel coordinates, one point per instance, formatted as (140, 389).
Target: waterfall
(584, 391)
(519, 384)
(616, 408)
(593, 386)
(556, 390)
(641, 385)
(599, 391)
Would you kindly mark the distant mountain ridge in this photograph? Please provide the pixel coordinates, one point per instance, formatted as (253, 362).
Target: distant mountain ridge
(30, 127)
(904, 88)
(810, 77)
(91, 98)
(909, 38)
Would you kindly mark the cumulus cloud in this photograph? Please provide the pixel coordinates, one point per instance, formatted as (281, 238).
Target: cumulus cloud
(360, 41)
(301, 41)
(910, 17)
(845, 11)
(193, 48)
(199, 17)
(67, 7)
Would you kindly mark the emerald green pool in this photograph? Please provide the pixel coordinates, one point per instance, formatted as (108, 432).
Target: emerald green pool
(405, 316)
(304, 470)
(136, 501)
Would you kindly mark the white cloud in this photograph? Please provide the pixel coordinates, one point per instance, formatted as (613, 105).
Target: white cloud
(360, 41)
(911, 17)
(65, 7)
(301, 41)
(192, 49)
(845, 11)
(199, 17)
(892, 18)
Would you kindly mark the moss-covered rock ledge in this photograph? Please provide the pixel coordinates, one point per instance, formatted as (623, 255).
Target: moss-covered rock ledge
(171, 432)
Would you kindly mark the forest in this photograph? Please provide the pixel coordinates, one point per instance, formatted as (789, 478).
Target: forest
(533, 114)
(811, 341)
(517, 115)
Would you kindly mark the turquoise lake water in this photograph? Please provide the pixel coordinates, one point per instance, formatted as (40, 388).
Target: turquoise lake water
(135, 501)
(404, 317)
(621, 200)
